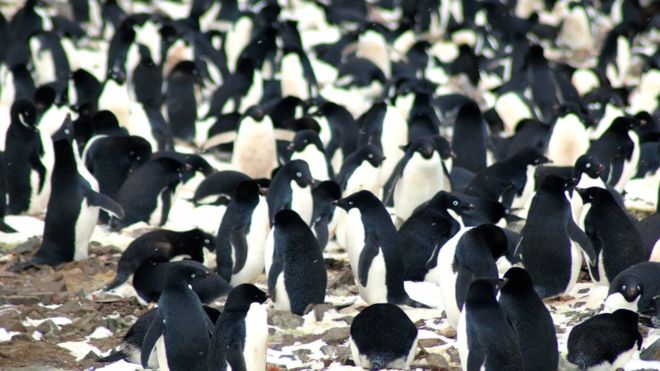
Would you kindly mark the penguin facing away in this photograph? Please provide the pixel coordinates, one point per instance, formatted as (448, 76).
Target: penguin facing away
(241, 332)
(382, 336)
(297, 277)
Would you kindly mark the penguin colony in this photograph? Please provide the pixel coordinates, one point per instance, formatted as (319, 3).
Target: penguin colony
(486, 147)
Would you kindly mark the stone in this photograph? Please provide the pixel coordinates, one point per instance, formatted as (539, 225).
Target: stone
(652, 353)
(286, 320)
(336, 335)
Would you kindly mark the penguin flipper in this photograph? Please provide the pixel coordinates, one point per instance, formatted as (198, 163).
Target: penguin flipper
(235, 357)
(39, 167)
(388, 188)
(583, 241)
(273, 274)
(218, 139)
(239, 243)
(104, 202)
(155, 330)
(367, 255)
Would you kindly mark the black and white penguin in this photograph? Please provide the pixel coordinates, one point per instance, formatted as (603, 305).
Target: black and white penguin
(484, 337)
(291, 188)
(531, 321)
(382, 336)
(180, 100)
(568, 138)
(472, 256)
(374, 250)
(427, 230)
(73, 208)
(181, 330)
(551, 243)
(240, 336)
(607, 340)
(614, 148)
(324, 196)
(242, 235)
(613, 234)
(361, 170)
(307, 146)
(418, 176)
(161, 245)
(635, 289)
(29, 158)
(4, 227)
(297, 277)
(147, 193)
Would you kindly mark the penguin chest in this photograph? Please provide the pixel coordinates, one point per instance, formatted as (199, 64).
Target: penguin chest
(156, 215)
(85, 223)
(569, 140)
(511, 108)
(462, 340)
(301, 201)
(354, 237)
(519, 201)
(629, 166)
(139, 124)
(395, 135)
(256, 239)
(318, 165)
(256, 336)
(293, 77)
(376, 289)
(114, 98)
(161, 354)
(617, 301)
(254, 149)
(576, 265)
(39, 196)
(364, 177)
(421, 179)
(282, 301)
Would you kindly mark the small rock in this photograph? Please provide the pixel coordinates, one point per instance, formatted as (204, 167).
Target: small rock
(583, 291)
(453, 355)
(47, 327)
(336, 353)
(20, 300)
(437, 361)
(302, 354)
(431, 343)
(336, 335)
(286, 320)
(28, 246)
(320, 309)
(342, 279)
(447, 332)
(652, 353)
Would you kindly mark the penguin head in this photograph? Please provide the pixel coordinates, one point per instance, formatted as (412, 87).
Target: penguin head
(518, 281)
(205, 239)
(24, 112)
(373, 154)
(117, 75)
(493, 237)
(627, 317)
(247, 192)
(257, 113)
(329, 190)
(185, 271)
(425, 146)
(589, 165)
(451, 201)
(298, 171)
(554, 183)
(104, 121)
(628, 286)
(481, 292)
(529, 156)
(242, 296)
(443, 147)
(287, 218)
(357, 199)
(304, 138)
(593, 195)
(44, 97)
(622, 124)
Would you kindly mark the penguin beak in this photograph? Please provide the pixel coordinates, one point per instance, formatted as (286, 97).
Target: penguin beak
(468, 207)
(290, 146)
(600, 169)
(263, 191)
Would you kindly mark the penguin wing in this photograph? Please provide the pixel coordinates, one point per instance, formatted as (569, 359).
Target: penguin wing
(275, 270)
(156, 329)
(388, 188)
(235, 355)
(578, 236)
(36, 164)
(369, 252)
(104, 202)
(239, 243)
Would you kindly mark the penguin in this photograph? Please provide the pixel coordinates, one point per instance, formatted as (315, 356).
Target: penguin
(374, 250)
(297, 277)
(324, 196)
(485, 339)
(569, 138)
(29, 158)
(361, 170)
(473, 255)
(613, 234)
(544, 90)
(130, 347)
(242, 235)
(613, 148)
(181, 330)
(291, 188)
(382, 336)
(470, 137)
(180, 100)
(344, 133)
(429, 228)
(529, 133)
(218, 188)
(307, 146)
(635, 289)
(149, 281)
(161, 245)
(240, 335)
(607, 340)
(240, 90)
(531, 321)
(73, 207)
(147, 193)
(418, 176)
(4, 227)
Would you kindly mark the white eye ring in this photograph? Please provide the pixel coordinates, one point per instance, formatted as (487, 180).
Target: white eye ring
(350, 203)
(591, 197)
(299, 174)
(192, 275)
(207, 241)
(624, 287)
(587, 166)
(455, 203)
(370, 155)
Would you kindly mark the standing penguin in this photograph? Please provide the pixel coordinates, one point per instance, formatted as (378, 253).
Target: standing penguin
(180, 100)
(551, 243)
(418, 176)
(374, 250)
(613, 234)
(73, 208)
(325, 194)
(181, 330)
(569, 138)
(470, 138)
(290, 188)
(29, 158)
(297, 277)
(242, 235)
(606, 340)
(307, 146)
(241, 332)
(531, 321)
(485, 337)
(361, 170)
(382, 336)
(635, 289)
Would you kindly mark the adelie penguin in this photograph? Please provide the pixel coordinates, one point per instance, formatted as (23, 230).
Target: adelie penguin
(181, 330)
(635, 289)
(291, 188)
(605, 341)
(242, 235)
(374, 250)
(161, 245)
(325, 194)
(29, 158)
(241, 333)
(297, 277)
(73, 208)
(551, 243)
(180, 100)
(361, 170)
(531, 321)
(382, 336)
(307, 146)
(613, 234)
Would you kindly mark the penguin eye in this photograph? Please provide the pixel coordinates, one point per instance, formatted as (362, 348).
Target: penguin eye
(455, 203)
(193, 275)
(370, 155)
(624, 287)
(305, 141)
(299, 174)
(350, 203)
(591, 197)
(207, 241)
(587, 166)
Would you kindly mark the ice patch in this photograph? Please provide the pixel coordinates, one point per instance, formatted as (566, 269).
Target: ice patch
(80, 349)
(58, 321)
(100, 333)
(7, 335)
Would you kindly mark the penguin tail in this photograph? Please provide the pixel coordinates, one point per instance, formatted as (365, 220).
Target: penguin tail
(6, 228)
(415, 304)
(119, 279)
(113, 357)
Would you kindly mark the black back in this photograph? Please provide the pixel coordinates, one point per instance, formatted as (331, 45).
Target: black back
(470, 138)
